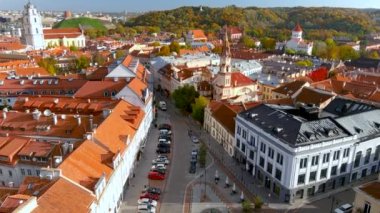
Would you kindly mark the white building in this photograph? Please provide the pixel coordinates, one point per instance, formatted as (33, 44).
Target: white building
(297, 43)
(299, 153)
(32, 27)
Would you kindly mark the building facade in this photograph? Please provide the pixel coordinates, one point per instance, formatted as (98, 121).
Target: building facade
(299, 153)
(32, 28)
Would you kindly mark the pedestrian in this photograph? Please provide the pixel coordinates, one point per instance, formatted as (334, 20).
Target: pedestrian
(227, 183)
(233, 189)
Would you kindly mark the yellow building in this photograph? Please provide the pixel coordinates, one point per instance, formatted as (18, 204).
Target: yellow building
(367, 198)
(64, 37)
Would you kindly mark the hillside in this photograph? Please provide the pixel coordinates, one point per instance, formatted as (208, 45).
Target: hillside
(319, 23)
(85, 22)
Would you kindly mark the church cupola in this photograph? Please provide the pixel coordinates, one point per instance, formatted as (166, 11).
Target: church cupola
(297, 32)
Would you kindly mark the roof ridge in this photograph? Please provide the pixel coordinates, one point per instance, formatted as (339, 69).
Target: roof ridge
(77, 184)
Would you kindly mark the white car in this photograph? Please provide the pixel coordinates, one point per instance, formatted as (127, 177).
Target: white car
(161, 161)
(194, 139)
(345, 208)
(159, 166)
(147, 202)
(146, 208)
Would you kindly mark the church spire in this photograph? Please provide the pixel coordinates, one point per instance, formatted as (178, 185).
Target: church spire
(225, 60)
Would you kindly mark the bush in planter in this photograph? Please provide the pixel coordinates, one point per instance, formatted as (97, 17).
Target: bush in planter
(246, 206)
(258, 202)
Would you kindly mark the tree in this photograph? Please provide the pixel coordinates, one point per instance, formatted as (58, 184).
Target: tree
(246, 206)
(82, 62)
(202, 155)
(49, 64)
(198, 108)
(184, 97)
(73, 48)
(268, 43)
(258, 202)
(120, 53)
(348, 53)
(248, 42)
(164, 51)
(174, 47)
(217, 50)
(156, 44)
(374, 55)
(99, 59)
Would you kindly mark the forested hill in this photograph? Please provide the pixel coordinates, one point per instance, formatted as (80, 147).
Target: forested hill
(318, 23)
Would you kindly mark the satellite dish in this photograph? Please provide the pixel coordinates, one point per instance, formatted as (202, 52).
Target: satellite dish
(47, 112)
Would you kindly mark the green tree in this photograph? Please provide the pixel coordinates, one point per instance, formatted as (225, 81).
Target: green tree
(305, 63)
(217, 50)
(374, 55)
(268, 43)
(184, 97)
(164, 51)
(198, 108)
(174, 47)
(49, 64)
(156, 44)
(248, 42)
(73, 48)
(98, 58)
(202, 155)
(258, 202)
(120, 29)
(348, 53)
(247, 206)
(82, 62)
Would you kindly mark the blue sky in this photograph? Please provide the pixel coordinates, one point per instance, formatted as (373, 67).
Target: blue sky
(147, 5)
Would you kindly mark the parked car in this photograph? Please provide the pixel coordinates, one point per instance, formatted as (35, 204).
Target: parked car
(147, 201)
(153, 190)
(156, 176)
(345, 208)
(160, 165)
(160, 161)
(163, 150)
(194, 152)
(194, 139)
(165, 127)
(165, 131)
(165, 137)
(165, 145)
(193, 168)
(164, 141)
(149, 196)
(193, 159)
(162, 105)
(146, 208)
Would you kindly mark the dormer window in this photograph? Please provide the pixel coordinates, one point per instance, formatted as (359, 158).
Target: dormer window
(113, 93)
(106, 94)
(25, 158)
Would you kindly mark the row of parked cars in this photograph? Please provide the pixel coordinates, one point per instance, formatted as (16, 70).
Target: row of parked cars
(150, 196)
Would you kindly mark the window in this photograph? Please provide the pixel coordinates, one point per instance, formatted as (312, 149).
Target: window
(29, 172)
(326, 157)
(23, 171)
(314, 160)
(237, 143)
(1, 172)
(262, 147)
(336, 155)
(38, 172)
(301, 179)
(244, 134)
(377, 152)
(35, 20)
(323, 173)
(278, 174)
(303, 163)
(269, 168)
(343, 168)
(346, 152)
(354, 176)
(251, 154)
(10, 173)
(333, 170)
(238, 130)
(357, 159)
(252, 142)
(270, 152)
(37, 30)
(367, 208)
(367, 155)
(280, 158)
(313, 176)
(261, 163)
(243, 147)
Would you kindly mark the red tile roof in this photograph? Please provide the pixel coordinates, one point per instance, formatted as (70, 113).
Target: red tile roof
(99, 89)
(198, 34)
(297, 28)
(238, 79)
(62, 32)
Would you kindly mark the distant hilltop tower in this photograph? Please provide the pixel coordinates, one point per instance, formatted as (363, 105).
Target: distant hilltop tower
(201, 8)
(68, 14)
(32, 27)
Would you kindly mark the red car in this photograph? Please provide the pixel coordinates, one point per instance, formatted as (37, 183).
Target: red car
(156, 176)
(150, 196)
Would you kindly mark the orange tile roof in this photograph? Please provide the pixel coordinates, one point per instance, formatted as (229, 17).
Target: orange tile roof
(5, 192)
(10, 149)
(37, 149)
(289, 88)
(311, 96)
(98, 75)
(97, 89)
(372, 189)
(62, 32)
(137, 86)
(12, 202)
(86, 164)
(238, 79)
(64, 196)
(375, 96)
(32, 71)
(11, 46)
(114, 131)
(198, 34)
(34, 186)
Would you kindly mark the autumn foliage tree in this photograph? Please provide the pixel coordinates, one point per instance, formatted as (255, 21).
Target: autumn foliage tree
(319, 74)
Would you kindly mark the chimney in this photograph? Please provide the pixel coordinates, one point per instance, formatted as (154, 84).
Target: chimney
(91, 121)
(79, 119)
(106, 113)
(71, 147)
(55, 119)
(56, 100)
(4, 115)
(36, 114)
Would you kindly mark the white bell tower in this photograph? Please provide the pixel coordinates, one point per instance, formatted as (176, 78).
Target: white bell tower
(32, 28)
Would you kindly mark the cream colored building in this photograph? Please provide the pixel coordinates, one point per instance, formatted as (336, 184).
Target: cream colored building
(67, 37)
(367, 198)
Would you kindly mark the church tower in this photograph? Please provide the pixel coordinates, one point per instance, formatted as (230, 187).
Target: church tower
(32, 27)
(225, 60)
(297, 32)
